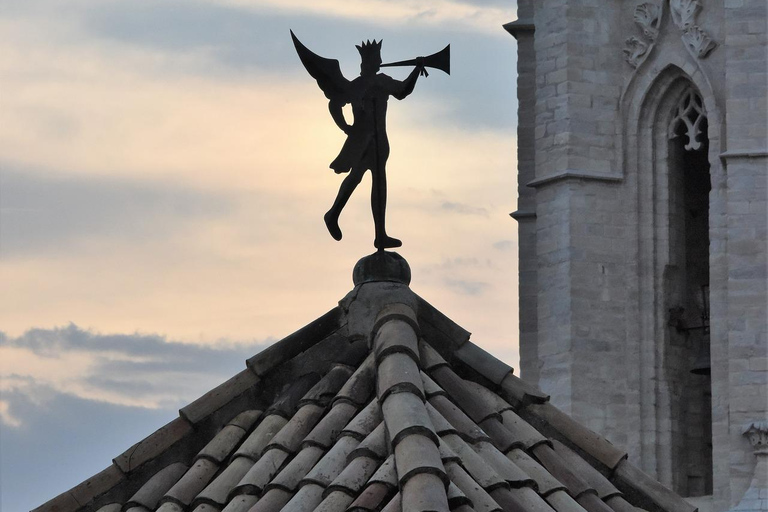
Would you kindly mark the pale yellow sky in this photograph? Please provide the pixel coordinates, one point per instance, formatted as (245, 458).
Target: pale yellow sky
(164, 170)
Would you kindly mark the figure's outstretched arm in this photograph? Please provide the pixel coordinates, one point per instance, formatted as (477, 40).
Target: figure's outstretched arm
(335, 108)
(407, 85)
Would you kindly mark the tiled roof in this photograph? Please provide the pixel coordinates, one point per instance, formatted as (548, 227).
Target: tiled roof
(382, 403)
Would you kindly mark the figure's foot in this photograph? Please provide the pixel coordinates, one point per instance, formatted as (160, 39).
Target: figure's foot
(386, 242)
(332, 223)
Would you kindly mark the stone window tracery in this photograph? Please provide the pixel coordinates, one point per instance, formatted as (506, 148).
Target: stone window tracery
(688, 119)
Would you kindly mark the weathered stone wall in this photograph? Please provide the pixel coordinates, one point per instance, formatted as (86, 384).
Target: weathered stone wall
(595, 164)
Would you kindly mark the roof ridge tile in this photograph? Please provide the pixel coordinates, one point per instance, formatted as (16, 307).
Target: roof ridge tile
(483, 363)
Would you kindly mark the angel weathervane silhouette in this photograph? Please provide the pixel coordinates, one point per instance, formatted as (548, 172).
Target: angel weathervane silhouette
(366, 147)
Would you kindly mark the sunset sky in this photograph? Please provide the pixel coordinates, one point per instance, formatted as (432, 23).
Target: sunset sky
(163, 177)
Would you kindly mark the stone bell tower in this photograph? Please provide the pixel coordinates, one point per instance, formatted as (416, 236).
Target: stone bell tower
(642, 215)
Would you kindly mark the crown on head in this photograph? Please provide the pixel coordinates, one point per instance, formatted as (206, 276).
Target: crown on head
(369, 49)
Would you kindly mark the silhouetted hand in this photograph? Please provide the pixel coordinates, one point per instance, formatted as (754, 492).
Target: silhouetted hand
(420, 66)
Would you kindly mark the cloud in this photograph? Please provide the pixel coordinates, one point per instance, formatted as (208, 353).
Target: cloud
(136, 370)
(467, 287)
(464, 209)
(505, 245)
(42, 212)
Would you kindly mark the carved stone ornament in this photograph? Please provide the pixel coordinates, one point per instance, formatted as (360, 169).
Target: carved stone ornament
(647, 16)
(634, 51)
(698, 41)
(758, 435)
(690, 114)
(684, 12)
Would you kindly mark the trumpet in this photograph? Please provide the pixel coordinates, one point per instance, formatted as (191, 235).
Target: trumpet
(440, 60)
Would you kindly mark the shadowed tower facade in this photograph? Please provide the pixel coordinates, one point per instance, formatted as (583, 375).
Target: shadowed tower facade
(643, 165)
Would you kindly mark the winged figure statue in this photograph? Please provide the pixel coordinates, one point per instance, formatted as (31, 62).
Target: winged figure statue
(366, 146)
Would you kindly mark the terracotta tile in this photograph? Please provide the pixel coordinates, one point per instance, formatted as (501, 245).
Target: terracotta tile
(219, 396)
(441, 425)
(416, 454)
(386, 474)
(272, 501)
(293, 433)
(359, 387)
(405, 413)
(592, 503)
(306, 499)
(222, 445)
(430, 359)
(374, 445)
(199, 475)
(545, 482)
(530, 500)
(373, 497)
(593, 477)
(246, 419)
(398, 373)
(630, 475)
(255, 443)
(153, 445)
(335, 502)
(562, 502)
(563, 472)
(456, 497)
(522, 430)
(424, 492)
(98, 484)
(258, 476)
(508, 501)
(364, 422)
(396, 336)
(333, 462)
(154, 489)
(447, 454)
(483, 363)
(297, 342)
(463, 508)
(138, 508)
(478, 469)
(513, 388)
(290, 476)
(354, 477)
(241, 503)
(218, 490)
(477, 406)
(322, 392)
(396, 311)
(168, 506)
(467, 428)
(288, 401)
(206, 507)
(112, 507)
(505, 468)
(590, 442)
(329, 427)
(619, 504)
(438, 327)
(430, 387)
(481, 500)
(502, 438)
(394, 504)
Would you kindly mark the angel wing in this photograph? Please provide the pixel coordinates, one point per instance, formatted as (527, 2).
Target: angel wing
(327, 72)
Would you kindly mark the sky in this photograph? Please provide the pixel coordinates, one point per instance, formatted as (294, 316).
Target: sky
(163, 178)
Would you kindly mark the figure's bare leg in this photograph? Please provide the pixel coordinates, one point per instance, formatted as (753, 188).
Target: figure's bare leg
(379, 207)
(348, 186)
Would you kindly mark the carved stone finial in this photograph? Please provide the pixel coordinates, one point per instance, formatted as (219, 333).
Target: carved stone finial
(634, 51)
(757, 433)
(684, 12)
(647, 16)
(698, 41)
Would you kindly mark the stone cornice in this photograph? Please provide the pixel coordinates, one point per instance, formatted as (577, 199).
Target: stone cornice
(519, 26)
(743, 153)
(574, 175)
